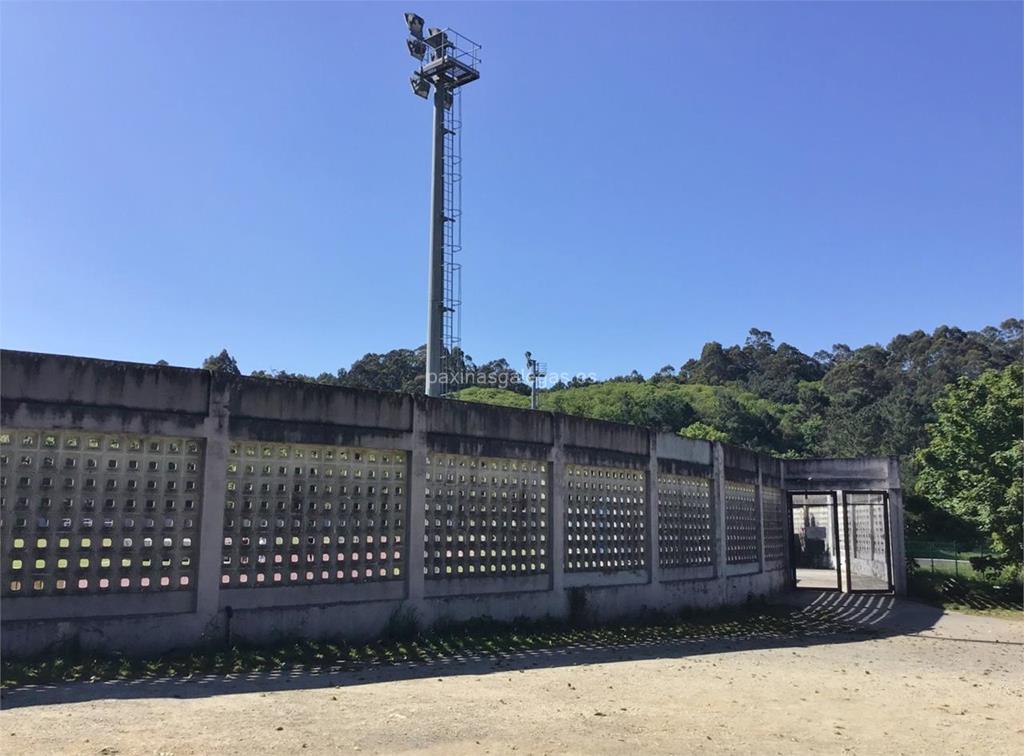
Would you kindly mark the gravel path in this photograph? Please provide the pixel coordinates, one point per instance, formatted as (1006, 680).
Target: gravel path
(913, 681)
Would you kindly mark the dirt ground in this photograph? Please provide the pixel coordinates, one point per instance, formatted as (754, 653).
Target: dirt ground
(911, 681)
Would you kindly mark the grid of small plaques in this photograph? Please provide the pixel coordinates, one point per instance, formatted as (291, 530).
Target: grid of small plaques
(300, 514)
(90, 513)
(684, 521)
(774, 524)
(485, 516)
(605, 519)
(741, 523)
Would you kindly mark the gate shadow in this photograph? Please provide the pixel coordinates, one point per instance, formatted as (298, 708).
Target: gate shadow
(810, 618)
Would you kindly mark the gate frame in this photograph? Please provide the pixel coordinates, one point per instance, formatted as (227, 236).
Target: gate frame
(890, 586)
(834, 506)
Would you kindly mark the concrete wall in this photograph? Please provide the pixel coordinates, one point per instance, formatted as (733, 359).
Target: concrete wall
(87, 560)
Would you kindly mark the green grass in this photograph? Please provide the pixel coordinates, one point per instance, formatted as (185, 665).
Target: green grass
(967, 594)
(482, 638)
(962, 569)
(939, 550)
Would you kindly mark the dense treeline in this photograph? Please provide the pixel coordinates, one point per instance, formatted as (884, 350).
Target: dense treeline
(841, 402)
(397, 370)
(873, 400)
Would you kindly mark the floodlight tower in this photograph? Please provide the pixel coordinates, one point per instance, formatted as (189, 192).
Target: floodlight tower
(447, 62)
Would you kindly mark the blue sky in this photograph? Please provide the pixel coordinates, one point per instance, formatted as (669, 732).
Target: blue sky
(639, 179)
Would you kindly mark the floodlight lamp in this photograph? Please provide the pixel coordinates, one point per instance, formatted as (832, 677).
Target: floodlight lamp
(436, 38)
(415, 25)
(416, 47)
(420, 86)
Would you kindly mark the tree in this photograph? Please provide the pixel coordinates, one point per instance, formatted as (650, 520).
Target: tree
(499, 374)
(666, 374)
(222, 363)
(634, 377)
(704, 431)
(284, 375)
(803, 423)
(668, 413)
(713, 368)
(776, 373)
(759, 339)
(974, 461)
(744, 423)
(853, 421)
(397, 370)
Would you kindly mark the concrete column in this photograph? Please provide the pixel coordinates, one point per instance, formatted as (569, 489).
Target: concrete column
(843, 555)
(759, 504)
(897, 544)
(654, 568)
(788, 524)
(556, 508)
(216, 430)
(416, 516)
(435, 300)
(718, 510)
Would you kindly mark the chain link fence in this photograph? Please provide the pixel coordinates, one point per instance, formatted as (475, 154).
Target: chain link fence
(952, 557)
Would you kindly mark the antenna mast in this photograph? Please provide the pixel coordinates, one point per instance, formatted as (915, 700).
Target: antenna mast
(534, 370)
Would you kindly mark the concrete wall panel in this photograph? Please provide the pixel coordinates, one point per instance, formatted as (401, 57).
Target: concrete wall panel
(100, 383)
(313, 403)
(51, 392)
(486, 421)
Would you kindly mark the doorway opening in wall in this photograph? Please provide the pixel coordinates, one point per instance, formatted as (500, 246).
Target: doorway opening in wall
(866, 530)
(814, 540)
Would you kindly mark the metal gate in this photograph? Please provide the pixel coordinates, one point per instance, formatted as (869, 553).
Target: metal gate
(840, 541)
(814, 540)
(866, 531)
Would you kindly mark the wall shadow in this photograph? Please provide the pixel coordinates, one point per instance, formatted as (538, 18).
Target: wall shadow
(810, 618)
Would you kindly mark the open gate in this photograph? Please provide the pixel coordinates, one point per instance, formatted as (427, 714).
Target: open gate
(814, 540)
(840, 541)
(868, 549)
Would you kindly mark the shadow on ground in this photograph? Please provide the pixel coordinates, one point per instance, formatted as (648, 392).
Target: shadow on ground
(973, 594)
(797, 619)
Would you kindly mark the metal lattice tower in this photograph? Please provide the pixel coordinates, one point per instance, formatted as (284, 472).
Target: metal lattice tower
(447, 62)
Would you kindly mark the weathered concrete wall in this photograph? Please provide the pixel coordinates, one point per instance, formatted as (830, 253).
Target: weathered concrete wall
(147, 508)
(79, 381)
(868, 473)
